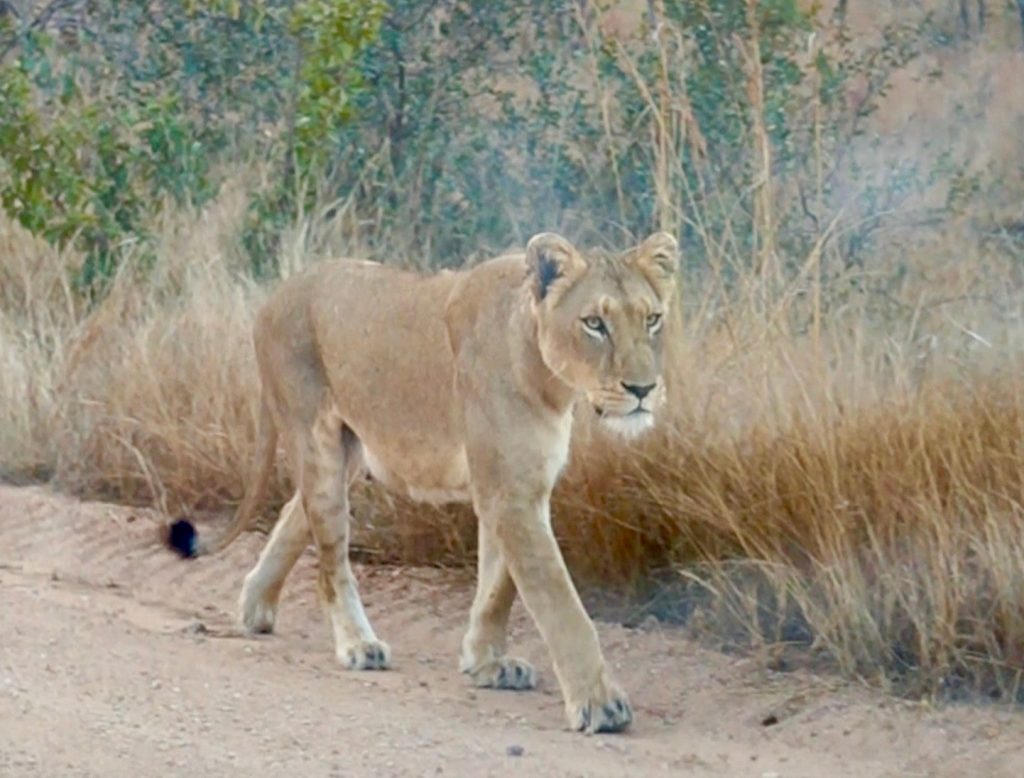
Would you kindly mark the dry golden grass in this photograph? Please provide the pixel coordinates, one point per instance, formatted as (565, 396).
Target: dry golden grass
(838, 470)
(857, 488)
(889, 536)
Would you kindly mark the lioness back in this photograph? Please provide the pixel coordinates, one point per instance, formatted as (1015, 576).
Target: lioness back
(377, 336)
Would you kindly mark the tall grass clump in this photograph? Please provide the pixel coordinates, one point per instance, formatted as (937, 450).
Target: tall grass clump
(840, 470)
(872, 517)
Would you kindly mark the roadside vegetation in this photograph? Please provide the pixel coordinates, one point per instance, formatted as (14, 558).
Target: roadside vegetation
(840, 475)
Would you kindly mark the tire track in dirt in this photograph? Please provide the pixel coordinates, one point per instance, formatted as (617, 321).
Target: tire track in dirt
(103, 671)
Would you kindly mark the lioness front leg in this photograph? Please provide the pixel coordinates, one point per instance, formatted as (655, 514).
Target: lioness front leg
(324, 491)
(593, 701)
(483, 648)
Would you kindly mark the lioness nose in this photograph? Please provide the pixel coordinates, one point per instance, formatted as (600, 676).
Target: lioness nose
(640, 392)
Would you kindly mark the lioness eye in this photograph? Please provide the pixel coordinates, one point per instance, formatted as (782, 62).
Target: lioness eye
(654, 322)
(594, 324)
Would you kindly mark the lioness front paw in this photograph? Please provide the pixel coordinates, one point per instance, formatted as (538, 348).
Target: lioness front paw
(608, 710)
(504, 673)
(365, 655)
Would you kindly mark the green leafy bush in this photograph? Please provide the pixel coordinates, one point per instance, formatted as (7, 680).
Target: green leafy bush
(451, 129)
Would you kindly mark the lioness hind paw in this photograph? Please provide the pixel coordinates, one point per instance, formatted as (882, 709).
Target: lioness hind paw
(258, 618)
(592, 717)
(505, 673)
(366, 655)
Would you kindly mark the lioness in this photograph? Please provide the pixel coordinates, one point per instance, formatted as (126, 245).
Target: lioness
(457, 386)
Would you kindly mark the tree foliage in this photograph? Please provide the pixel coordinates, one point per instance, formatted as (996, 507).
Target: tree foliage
(454, 128)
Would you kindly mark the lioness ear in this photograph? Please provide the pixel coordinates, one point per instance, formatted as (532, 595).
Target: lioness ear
(660, 252)
(550, 258)
(658, 259)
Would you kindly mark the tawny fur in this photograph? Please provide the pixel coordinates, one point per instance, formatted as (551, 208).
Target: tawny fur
(456, 386)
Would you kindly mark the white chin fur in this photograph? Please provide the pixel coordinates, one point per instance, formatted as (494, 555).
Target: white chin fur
(631, 426)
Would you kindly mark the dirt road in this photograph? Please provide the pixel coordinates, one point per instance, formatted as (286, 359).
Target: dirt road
(118, 659)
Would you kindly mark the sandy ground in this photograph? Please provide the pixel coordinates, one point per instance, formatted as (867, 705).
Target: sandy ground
(117, 658)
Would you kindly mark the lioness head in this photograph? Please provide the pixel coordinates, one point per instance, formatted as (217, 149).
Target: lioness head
(600, 320)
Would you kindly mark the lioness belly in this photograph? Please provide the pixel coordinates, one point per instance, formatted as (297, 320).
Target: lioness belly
(444, 479)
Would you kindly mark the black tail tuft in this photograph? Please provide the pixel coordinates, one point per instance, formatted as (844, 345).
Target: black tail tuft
(182, 538)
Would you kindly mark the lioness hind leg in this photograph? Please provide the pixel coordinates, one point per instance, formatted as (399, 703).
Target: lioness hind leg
(261, 591)
(483, 648)
(324, 491)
